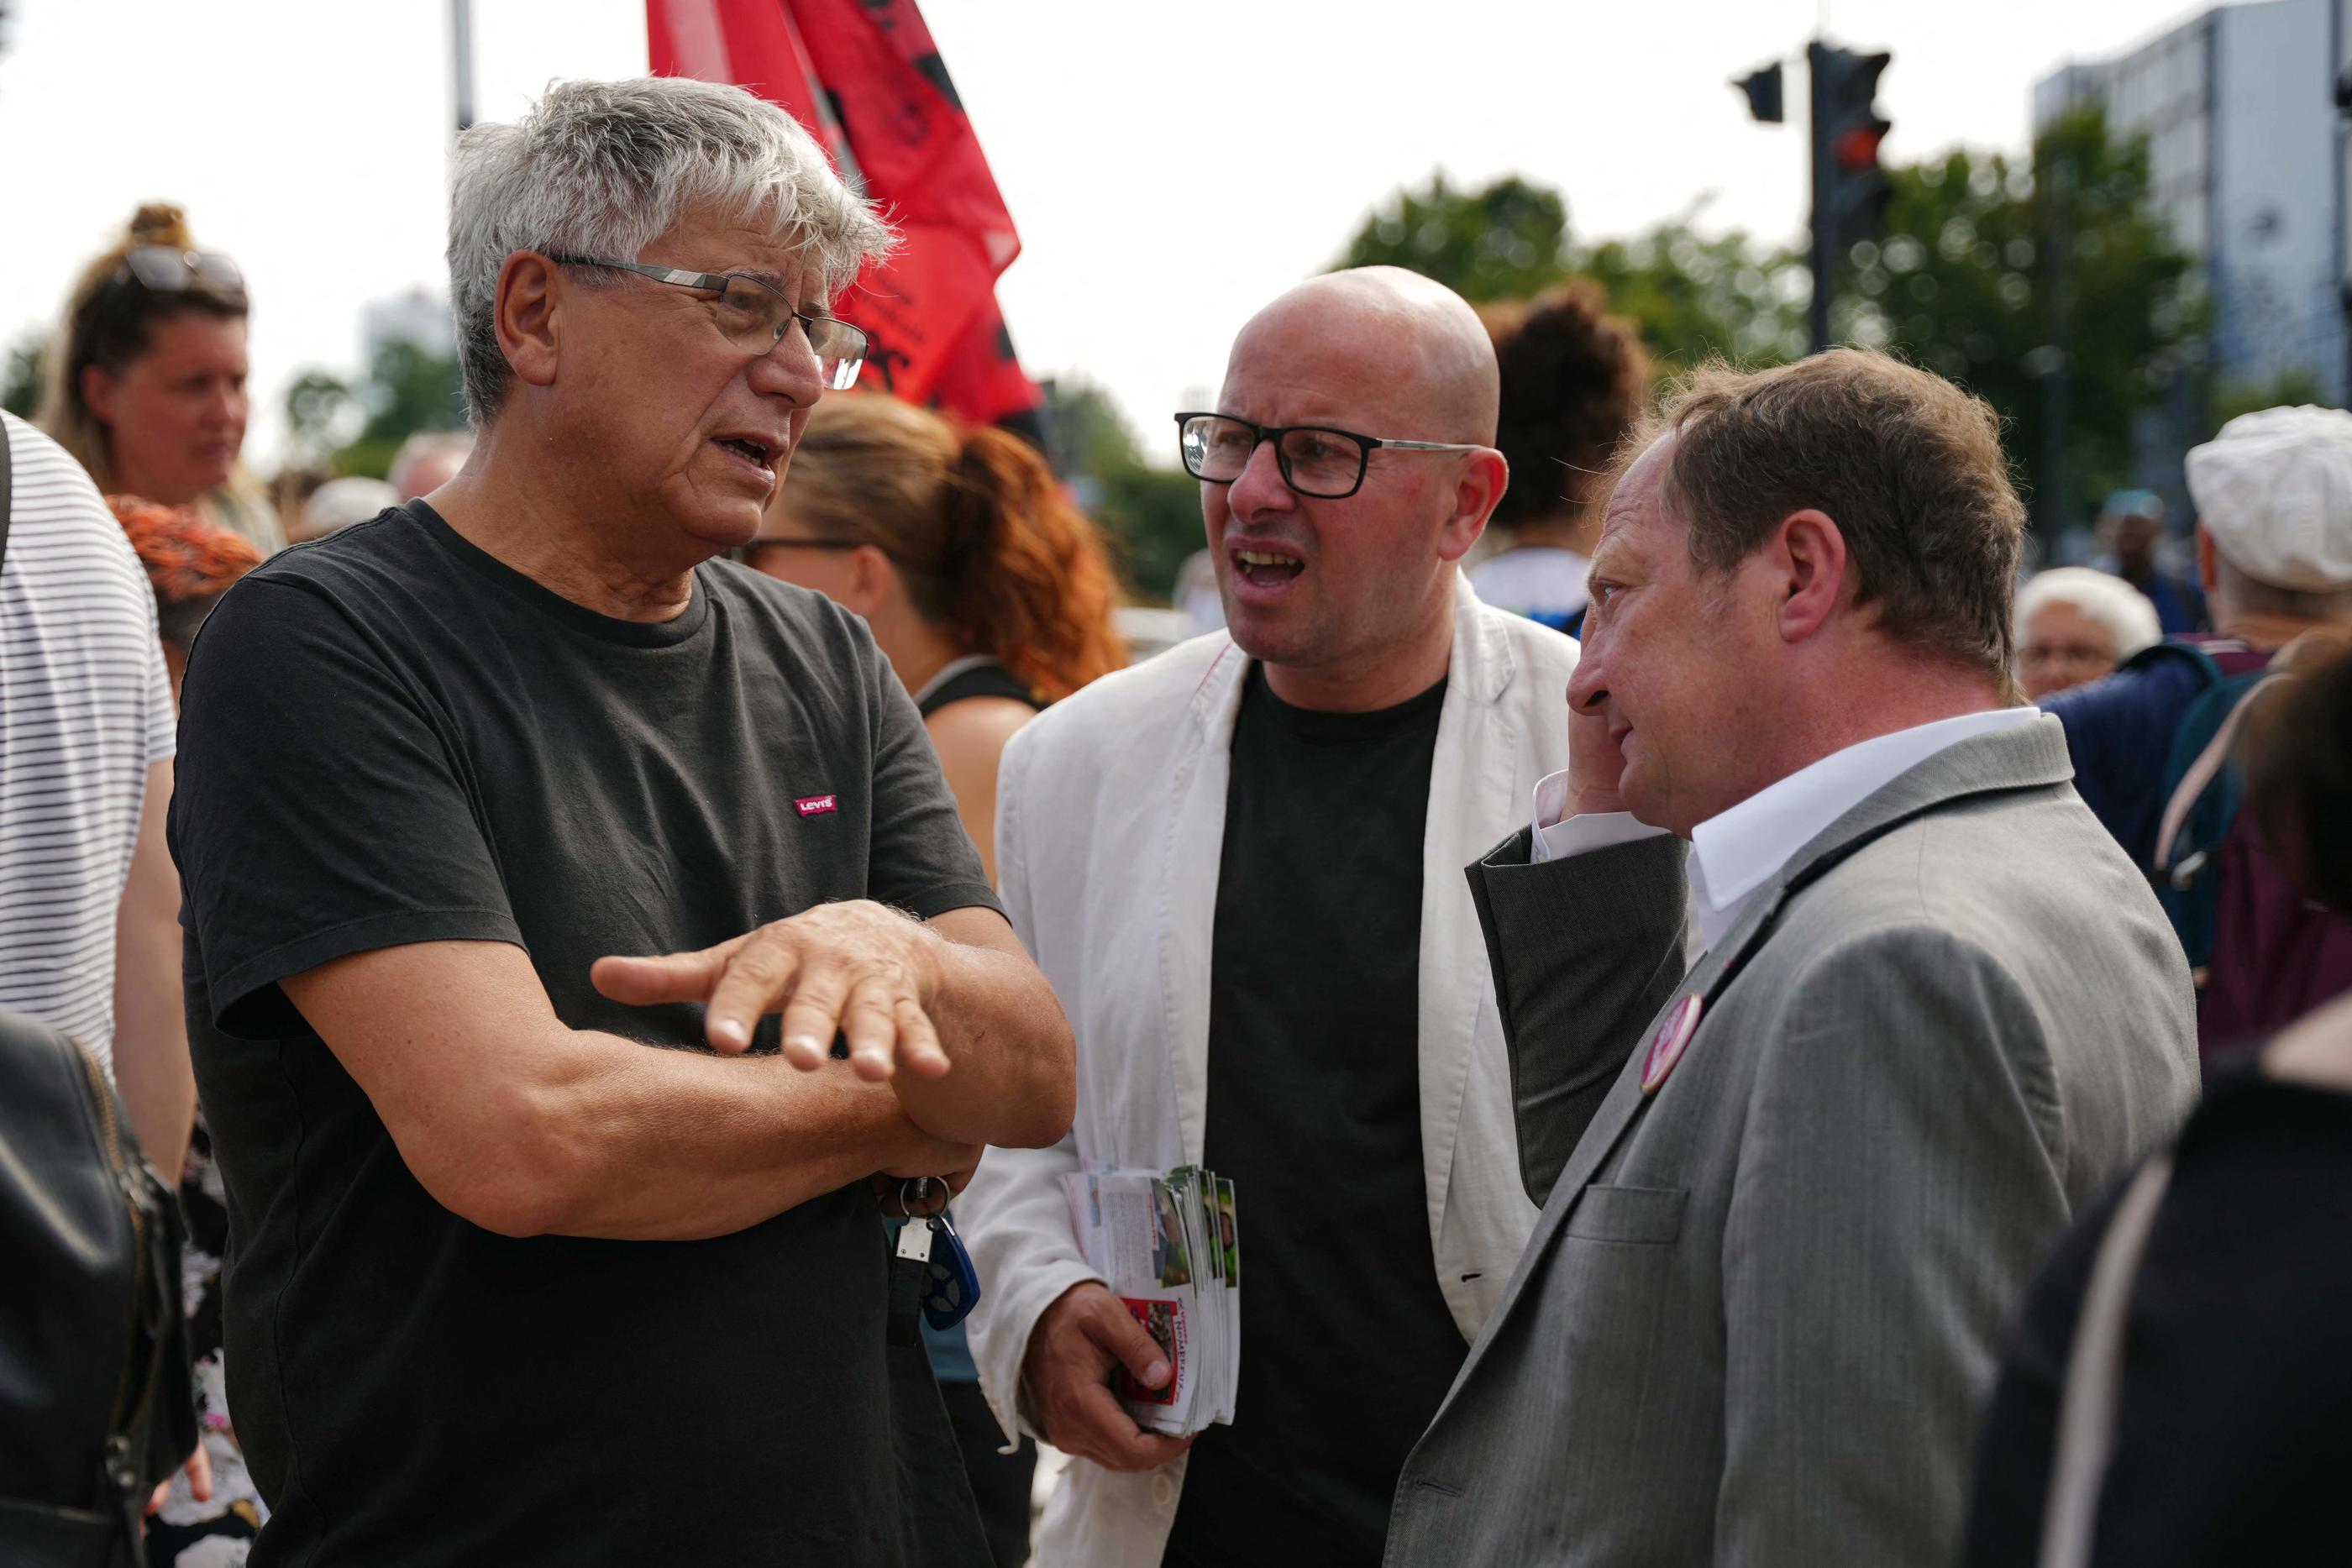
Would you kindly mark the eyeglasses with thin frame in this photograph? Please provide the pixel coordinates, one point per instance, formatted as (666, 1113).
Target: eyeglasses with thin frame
(168, 269)
(1316, 460)
(755, 315)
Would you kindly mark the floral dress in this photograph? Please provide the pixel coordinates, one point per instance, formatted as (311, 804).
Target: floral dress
(219, 1534)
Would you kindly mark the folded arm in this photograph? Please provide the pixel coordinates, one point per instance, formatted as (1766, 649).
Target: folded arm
(951, 1012)
(526, 1126)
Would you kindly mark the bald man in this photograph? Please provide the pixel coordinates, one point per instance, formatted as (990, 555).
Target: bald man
(1240, 865)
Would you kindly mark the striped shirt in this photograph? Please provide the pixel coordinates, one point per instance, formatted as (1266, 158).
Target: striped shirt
(85, 709)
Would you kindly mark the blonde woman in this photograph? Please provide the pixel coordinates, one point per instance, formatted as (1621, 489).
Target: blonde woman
(147, 376)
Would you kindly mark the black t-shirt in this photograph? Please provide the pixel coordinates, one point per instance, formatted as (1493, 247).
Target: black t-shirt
(1314, 1109)
(391, 737)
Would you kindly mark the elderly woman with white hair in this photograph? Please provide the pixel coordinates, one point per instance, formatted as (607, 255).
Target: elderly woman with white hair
(548, 1250)
(2075, 625)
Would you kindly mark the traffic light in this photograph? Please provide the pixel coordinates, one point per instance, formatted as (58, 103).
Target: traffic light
(1850, 191)
(1762, 86)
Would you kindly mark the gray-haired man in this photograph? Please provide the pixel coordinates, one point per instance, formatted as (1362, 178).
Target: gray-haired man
(506, 1283)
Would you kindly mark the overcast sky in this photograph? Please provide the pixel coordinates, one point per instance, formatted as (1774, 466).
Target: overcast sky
(308, 138)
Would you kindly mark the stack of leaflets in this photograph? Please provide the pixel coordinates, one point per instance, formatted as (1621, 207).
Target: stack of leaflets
(1170, 1245)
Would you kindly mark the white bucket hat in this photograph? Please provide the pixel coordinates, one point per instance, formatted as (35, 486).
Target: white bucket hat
(2274, 489)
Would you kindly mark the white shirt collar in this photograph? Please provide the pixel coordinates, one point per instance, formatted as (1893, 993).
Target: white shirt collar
(1737, 851)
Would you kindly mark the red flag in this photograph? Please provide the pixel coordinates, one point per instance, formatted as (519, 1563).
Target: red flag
(865, 78)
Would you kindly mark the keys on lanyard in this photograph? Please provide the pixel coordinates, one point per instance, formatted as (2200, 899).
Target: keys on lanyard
(931, 1256)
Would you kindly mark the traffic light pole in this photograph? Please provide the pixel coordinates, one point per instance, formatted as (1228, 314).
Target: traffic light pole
(461, 62)
(1843, 130)
(1822, 225)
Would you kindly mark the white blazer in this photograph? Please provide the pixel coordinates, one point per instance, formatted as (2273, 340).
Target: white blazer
(1110, 823)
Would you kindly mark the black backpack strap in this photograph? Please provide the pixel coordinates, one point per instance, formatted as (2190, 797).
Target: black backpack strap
(5, 442)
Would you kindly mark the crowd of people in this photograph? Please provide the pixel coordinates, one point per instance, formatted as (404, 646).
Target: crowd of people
(1748, 1025)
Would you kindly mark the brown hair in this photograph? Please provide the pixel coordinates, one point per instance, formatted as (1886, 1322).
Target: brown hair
(1573, 380)
(2299, 776)
(1906, 465)
(109, 321)
(994, 556)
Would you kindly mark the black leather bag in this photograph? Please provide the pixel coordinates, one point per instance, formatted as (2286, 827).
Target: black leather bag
(96, 1403)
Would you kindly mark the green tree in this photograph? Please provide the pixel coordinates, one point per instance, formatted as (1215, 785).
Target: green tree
(2288, 388)
(1150, 514)
(1691, 296)
(1505, 241)
(1695, 297)
(1964, 283)
(408, 388)
(20, 381)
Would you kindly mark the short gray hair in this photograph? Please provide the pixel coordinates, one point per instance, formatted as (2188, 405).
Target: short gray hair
(599, 168)
(2109, 603)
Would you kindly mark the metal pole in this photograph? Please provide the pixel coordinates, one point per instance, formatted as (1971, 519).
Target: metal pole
(1817, 313)
(461, 60)
(2343, 210)
(2052, 493)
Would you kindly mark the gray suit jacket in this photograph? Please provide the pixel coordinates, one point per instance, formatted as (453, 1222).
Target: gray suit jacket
(1762, 1306)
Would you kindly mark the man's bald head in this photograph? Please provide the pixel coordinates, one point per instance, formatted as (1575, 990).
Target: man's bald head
(1348, 596)
(1435, 362)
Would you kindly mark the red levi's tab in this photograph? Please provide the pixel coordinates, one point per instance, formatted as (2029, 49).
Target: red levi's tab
(817, 805)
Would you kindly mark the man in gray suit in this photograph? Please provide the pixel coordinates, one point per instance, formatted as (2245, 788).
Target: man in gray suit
(1938, 1008)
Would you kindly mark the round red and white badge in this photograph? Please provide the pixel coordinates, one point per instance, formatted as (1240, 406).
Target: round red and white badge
(1667, 1045)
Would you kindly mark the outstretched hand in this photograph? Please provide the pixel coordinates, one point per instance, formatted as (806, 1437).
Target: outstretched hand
(859, 968)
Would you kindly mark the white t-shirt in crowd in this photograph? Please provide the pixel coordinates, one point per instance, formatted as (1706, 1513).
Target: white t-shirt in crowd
(85, 709)
(1543, 583)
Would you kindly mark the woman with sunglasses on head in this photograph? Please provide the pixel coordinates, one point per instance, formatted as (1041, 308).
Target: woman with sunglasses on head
(147, 376)
(988, 592)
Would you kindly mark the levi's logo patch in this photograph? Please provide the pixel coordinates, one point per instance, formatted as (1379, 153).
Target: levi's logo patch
(817, 805)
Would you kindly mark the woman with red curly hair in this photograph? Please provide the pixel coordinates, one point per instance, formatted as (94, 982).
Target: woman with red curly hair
(991, 595)
(988, 592)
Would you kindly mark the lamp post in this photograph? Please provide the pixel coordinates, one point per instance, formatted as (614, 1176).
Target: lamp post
(461, 61)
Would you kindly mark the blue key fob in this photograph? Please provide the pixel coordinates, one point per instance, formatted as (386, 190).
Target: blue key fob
(952, 1288)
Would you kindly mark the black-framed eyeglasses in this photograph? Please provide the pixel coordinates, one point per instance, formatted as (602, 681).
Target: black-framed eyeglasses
(167, 269)
(1315, 459)
(755, 315)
